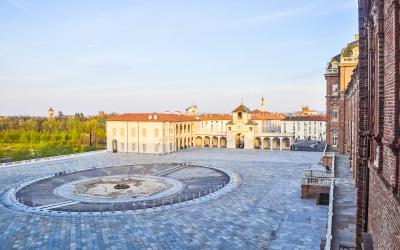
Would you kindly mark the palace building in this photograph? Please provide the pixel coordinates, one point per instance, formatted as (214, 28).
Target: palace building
(162, 133)
(364, 121)
(338, 75)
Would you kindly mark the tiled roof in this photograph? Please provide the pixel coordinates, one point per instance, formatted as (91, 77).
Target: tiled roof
(306, 118)
(152, 117)
(259, 115)
(242, 108)
(215, 117)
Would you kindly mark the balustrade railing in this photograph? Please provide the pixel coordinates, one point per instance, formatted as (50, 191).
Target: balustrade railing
(316, 181)
(51, 158)
(318, 173)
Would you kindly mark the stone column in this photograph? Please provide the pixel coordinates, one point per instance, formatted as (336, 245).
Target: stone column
(202, 141)
(270, 144)
(262, 142)
(219, 141)
(280, 143)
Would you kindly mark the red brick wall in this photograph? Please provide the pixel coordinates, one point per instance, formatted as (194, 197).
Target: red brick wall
(331, 101)
(384, 215)
(374, 99)
(313, 191)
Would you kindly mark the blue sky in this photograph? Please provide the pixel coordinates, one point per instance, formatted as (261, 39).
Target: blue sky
(149, 55)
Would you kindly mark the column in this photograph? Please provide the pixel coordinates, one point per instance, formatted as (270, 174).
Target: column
(270, 143)
(262, 142)
(202, 141)
(280, 143)
(219, 141)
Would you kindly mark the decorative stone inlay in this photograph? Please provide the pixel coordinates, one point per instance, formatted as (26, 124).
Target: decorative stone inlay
(102, 189)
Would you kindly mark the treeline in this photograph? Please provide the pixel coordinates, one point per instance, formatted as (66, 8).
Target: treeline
(24, 138)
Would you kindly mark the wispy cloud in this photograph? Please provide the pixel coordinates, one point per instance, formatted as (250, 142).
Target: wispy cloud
(262, 19)
(21, 5)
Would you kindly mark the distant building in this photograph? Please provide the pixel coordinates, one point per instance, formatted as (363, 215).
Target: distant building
(50, 113)
(306, 111)
(161, 133)
(338, 75)
(305, 127)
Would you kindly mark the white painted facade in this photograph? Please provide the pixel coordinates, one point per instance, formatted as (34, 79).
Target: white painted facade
(303, 128)
(167, 133)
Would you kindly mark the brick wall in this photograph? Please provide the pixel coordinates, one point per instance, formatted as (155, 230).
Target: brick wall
(313, 191)
(331, 101)
(371, 124)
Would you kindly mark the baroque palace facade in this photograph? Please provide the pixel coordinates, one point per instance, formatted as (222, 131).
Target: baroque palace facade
(368, 123)
(161, 133)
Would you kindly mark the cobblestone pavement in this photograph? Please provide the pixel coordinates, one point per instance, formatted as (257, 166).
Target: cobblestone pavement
(344, 206)
(264, 212)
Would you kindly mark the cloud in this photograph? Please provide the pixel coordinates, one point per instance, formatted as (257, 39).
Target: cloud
(262, 19)
(21, 5)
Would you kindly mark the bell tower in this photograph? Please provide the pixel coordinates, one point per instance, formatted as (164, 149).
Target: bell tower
(262, 104)
(50, 114)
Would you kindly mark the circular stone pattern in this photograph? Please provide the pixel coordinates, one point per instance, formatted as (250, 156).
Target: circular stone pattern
(130, 188)
(118, 188)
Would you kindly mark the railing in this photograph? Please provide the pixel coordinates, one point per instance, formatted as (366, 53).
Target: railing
(318, 173)
(317, 181)
(333, 70)
(51, 158)
(330, 213)
(325, 149)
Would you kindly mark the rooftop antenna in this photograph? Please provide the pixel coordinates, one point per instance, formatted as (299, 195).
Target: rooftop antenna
(242, 100)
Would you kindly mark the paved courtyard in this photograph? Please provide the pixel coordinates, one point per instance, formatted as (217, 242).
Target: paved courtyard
(263, 212)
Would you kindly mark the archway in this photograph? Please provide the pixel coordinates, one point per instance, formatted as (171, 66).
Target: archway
(199, 141)
(222, 142)
(286, 143)
(276, 143)
(267, 143)
(206, 141)
(257, 143)
(214, 142)
(114, 146)
(239, 138)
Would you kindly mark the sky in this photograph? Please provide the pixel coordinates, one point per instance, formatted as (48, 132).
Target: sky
(164, 55)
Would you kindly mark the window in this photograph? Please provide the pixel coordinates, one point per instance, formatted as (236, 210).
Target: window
(240, 115)
(122, 132)
(133, 147)
(114, 131)
(144, 147)
(133, 132)
(335, 114)
(156, 132)
(335, 89)
(144, 132)
(335, 138)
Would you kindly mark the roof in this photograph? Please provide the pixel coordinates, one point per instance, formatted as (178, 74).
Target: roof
(214, 117)
(242, 108)
(251, 122)
(193, 106)
(152, 117)
(260, 115)
(306, 118)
